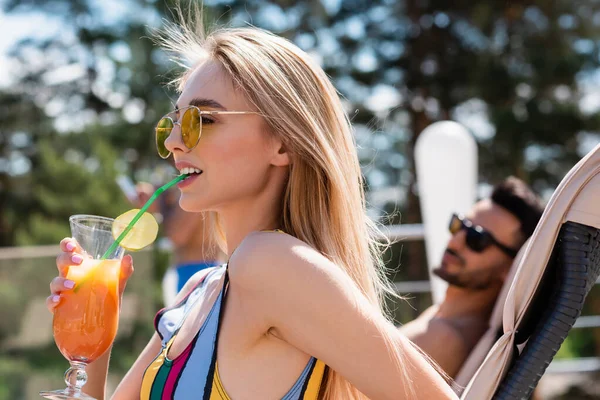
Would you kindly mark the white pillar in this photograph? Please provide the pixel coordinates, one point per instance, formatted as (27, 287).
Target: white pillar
(446, 167)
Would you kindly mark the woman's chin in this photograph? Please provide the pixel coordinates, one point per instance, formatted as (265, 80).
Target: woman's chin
(191, 203)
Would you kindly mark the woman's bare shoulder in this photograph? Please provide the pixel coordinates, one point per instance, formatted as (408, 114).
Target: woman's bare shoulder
(277, 259)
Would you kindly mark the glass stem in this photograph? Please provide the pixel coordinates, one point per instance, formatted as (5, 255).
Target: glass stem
(76, 377)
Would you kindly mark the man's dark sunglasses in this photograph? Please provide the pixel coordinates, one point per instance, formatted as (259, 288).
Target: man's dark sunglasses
(478, 239)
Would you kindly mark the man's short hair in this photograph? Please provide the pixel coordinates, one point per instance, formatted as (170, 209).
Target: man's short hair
(518, 198)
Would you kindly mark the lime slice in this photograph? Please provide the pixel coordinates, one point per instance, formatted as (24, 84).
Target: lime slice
(142, 233)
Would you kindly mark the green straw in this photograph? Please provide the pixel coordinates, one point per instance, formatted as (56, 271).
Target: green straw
(135, 219)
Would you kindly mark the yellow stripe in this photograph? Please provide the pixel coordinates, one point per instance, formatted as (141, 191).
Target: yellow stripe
(315, 381)
(150, 375)
(312, 389)
(218, 391)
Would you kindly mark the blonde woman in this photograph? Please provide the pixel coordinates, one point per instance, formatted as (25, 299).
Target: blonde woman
(296, 313)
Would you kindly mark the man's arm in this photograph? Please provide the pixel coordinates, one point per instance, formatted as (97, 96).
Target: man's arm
(438, 339)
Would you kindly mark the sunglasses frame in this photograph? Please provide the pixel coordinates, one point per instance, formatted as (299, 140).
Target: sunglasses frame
(470, 228)
(178, 122)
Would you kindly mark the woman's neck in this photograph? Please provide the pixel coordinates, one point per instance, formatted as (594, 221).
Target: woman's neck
(238, 222)
(258, 212)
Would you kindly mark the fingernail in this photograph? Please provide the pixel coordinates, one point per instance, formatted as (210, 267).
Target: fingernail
(70, 246)
(76, 258)
(55, 298)
(69, 284)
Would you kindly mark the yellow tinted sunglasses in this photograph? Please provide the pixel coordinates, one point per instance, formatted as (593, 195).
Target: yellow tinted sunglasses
(190, 124)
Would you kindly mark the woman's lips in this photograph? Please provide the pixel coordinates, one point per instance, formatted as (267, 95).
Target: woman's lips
(188, 181)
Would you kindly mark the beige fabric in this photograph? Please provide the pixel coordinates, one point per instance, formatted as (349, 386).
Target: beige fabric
(477, 355)
(575, 199)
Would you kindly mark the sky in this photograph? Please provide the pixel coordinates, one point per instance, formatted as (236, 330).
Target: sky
(16, 27)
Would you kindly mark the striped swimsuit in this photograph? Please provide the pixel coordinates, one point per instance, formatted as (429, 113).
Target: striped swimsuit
(194, 374)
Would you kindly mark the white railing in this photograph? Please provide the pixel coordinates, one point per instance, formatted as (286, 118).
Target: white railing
(11, 253)
(404, 232)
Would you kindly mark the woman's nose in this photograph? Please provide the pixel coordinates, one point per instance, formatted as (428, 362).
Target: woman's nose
(174, 142)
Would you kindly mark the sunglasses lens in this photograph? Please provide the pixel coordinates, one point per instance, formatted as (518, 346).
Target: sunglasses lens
(474, 240)
(163, 130)
(455, 224)
(478, 241)
(191, 125)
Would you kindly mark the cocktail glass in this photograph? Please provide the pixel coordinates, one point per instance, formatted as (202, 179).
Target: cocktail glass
(86, 319)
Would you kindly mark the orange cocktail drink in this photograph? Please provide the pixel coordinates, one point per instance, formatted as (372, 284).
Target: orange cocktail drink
(86, 320)
(87, 317)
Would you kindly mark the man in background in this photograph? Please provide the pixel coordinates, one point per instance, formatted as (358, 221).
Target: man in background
(475, 264)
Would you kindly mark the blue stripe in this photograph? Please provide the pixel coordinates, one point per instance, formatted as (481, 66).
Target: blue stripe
(196, 373)
(296, 390)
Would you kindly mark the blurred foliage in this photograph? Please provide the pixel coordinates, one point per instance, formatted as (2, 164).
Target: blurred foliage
(11, 370)
(514, 72)
(81, 111)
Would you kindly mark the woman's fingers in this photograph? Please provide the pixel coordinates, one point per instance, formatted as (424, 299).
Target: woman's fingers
(71, 254)
(64, 260)
(58, 285)
(69, 245)
(61, 284)
(52, 301)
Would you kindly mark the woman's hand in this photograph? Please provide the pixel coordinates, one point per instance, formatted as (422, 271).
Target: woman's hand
(72, 254)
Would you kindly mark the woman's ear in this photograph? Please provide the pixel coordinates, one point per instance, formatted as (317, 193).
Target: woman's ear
(281, 156)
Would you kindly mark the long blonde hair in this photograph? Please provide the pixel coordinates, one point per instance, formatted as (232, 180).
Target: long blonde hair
(324, 203)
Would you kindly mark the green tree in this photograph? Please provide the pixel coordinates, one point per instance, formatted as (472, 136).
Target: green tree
(94, 98)
(17, 116)
(80, 180)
